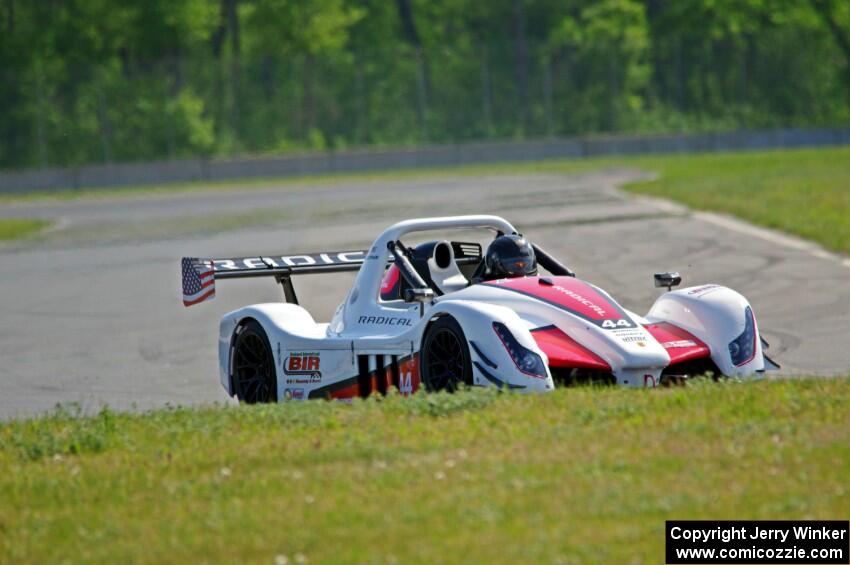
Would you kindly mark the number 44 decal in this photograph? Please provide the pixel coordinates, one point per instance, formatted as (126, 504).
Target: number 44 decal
(621, 323)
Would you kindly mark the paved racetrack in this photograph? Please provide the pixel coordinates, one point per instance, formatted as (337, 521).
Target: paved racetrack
(91, 313)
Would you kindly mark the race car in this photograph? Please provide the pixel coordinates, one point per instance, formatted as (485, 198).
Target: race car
(444, 314)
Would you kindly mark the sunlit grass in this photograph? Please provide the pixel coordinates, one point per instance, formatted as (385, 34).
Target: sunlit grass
(579, 475)
(803, 192)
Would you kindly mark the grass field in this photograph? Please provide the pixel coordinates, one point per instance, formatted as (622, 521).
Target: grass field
(17, 228)
(580, 475)
(805, 192)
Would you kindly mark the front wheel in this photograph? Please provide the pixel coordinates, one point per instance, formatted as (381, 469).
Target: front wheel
(253, 367)
(446, 362)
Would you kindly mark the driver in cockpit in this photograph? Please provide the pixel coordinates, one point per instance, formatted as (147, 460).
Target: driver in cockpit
(508, 256)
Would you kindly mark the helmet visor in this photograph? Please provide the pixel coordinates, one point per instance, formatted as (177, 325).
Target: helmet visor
(518, 266)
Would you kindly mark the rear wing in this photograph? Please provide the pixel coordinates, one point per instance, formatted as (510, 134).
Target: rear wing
(200, 274)
(287, 265)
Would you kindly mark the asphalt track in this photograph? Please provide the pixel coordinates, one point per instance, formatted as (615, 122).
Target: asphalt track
(91, 312)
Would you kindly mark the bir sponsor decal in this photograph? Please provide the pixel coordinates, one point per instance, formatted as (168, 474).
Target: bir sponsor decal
(303, 367)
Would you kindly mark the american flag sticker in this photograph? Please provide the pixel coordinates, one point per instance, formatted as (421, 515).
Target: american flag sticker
(198, 281)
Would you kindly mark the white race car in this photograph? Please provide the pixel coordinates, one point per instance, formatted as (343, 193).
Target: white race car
(437, 315)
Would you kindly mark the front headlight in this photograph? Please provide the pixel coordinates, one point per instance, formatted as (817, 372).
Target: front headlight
(743, 348)
(526, 360)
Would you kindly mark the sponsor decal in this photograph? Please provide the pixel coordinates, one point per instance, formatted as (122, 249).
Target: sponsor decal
(293, 394)
(678, 344)
(634, 335)
(288, 261)
(700, 290)
(579, 298)
(309, 380)
(384, 321)
(608, 324)
(303, 367)
(632, 338)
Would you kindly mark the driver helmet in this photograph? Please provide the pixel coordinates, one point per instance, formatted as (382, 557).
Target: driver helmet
(510, 256)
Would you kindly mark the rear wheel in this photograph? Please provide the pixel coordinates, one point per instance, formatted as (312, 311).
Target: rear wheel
(445, 356)
(253, 367)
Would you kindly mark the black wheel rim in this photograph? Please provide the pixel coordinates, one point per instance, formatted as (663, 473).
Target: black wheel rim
(445, 361)
(254, 369)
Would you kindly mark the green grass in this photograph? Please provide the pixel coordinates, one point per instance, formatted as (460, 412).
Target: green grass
(18, 228)
(804, 192)
(580, 475)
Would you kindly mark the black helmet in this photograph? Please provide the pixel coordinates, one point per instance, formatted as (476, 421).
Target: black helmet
(510, 256)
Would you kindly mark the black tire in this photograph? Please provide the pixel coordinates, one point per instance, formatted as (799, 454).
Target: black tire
(253, 371)
(445, 359)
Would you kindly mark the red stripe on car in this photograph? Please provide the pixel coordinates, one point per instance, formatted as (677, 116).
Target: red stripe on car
(680, 345)
(571, 294)
(564, 351)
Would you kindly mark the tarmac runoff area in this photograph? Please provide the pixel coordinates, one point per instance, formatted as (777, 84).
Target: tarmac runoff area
(92, 311)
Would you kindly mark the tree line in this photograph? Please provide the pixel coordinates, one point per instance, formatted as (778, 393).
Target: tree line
(94, 81)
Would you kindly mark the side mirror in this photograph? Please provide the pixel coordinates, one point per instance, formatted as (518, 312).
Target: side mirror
(668, 280)
(418, 294)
